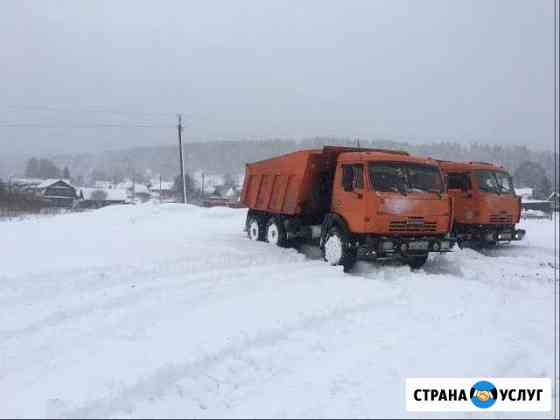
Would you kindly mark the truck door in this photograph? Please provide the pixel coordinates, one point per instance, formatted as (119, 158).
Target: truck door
(459, 187)
(348, 196)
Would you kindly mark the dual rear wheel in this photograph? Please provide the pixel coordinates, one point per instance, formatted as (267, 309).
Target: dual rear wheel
(271, 230)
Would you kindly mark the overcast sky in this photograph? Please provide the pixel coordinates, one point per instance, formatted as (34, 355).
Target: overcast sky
(96, 75)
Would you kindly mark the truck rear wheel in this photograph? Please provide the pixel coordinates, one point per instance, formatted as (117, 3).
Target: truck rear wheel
(416, 261)
(275, 232)
(336, 250)
(255, 231)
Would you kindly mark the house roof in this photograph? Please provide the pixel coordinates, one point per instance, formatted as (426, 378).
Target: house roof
(112, 194)
(27, 181)
(48, 182)
(124, 185)
(524, 192)
(165, 185)
(141, 189)
(103, 184)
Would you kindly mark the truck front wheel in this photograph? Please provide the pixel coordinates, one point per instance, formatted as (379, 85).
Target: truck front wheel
(336, 250)
(275, 232)
(255, 231)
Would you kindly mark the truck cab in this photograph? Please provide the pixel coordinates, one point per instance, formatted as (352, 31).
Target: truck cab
(486, 208)
(382, 193)
(393, 205)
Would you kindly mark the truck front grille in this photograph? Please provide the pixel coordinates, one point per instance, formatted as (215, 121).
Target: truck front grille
(412, 224)
(501, 218)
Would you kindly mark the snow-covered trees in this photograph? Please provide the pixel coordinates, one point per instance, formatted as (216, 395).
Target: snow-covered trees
(533, 175)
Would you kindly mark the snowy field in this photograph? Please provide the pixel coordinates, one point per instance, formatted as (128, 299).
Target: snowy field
(169, 311)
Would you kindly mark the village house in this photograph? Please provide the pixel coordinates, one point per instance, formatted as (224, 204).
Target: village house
(531, 208)
(140, 192)
(94, 198)
(164, 190)
(524, 193)
(58, 192)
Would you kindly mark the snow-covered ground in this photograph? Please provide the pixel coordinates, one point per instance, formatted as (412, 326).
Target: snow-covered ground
(169, 311)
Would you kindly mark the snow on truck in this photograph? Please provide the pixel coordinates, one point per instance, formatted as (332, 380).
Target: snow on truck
(370, 203)
(486, 208)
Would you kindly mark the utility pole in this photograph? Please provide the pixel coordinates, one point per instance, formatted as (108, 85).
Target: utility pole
(133, 184)
(202, 184)
(179, 131)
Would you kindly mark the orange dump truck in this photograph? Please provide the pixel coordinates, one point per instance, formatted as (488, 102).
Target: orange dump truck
(486, 208)
(356, 202)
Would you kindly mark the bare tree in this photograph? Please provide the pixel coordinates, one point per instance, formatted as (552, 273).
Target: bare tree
(229, 181)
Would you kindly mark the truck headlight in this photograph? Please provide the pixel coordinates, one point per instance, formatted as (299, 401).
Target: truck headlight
(436, 246)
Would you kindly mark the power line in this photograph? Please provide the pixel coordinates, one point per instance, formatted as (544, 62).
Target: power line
(98, 125)
(86, 109)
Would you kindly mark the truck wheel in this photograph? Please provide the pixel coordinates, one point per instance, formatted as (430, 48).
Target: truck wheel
(255, 232)
(336, 250)
(416, 261)
(275, 232)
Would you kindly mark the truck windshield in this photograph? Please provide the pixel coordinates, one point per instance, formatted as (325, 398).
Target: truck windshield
(404, 177)
(494, 181)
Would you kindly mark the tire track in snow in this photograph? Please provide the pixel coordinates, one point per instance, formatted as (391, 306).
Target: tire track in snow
(164, 378)
(160, 288)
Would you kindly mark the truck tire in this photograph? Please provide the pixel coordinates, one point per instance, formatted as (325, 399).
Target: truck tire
(275, 232)
(255, 230)
(416, 261)
(336, 250)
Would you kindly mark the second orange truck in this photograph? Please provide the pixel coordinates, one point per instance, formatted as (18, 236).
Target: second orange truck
(486, 208)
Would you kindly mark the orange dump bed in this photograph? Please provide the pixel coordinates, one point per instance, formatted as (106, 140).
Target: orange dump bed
(283, 184)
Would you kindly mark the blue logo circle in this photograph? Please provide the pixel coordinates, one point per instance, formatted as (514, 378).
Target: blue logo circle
(483, 394)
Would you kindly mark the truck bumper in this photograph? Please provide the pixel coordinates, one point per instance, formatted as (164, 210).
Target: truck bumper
(387, 247)
(491, 235)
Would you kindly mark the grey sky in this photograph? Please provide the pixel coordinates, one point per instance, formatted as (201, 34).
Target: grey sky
(403, 70)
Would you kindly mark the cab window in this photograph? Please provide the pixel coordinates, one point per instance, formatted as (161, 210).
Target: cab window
(357, 173)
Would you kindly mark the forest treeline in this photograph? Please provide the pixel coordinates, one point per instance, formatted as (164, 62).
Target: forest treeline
(230, 157)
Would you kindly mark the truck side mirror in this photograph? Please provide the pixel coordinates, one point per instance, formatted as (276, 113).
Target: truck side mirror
(347, 178)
